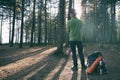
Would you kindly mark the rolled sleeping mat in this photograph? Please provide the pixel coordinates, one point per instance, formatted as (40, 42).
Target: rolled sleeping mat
(93, 66)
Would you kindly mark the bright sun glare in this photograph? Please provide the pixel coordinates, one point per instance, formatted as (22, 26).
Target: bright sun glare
(78, 8)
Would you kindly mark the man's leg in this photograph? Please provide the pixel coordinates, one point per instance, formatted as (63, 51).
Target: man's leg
(80, 52)
(73, 49)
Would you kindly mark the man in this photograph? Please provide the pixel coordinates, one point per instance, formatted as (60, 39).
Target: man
(74, 32)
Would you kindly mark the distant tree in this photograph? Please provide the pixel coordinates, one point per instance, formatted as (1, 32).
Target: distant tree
(10, 24)
(45, 40)
(22, 24)
(104, 24)
(40, 22)
(113, 35)
(33, 25)
(13, 24)
(70, 7)
(27, 29)
(1, 28)
(83, 2)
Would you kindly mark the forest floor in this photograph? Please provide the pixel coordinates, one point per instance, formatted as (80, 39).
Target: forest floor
(39, 63)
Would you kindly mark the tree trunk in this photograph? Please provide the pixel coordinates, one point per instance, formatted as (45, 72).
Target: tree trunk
(113, 33)
(13, 24)
(1, 28)
(33, 25)
(50, 26)
(40, 23)
(70, 7)
(103, 22)
(22, 24)
(10, 27)
(60, 28)
(39, 27)
(45, 40)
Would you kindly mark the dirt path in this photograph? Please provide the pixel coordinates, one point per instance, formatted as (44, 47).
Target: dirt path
(39, 63)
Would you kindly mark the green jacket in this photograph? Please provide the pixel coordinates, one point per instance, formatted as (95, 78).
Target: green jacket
(74, 29)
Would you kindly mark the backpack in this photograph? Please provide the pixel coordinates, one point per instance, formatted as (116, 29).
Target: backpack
(101, 67)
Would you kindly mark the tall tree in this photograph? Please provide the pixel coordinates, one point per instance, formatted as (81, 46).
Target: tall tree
(22, 24)
(1, 28)
(40, 22)
(70, 7)
(10, 25)
(45, 40)
(60, 28)
(13, 24)
(33, 24)
(113, 37)
(103, 15)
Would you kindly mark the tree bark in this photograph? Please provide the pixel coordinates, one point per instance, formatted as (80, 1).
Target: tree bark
(13, 24)
(1, 29)
(22, 24)
(33, 25)
(60, 28)
(113, 33)
(45, 41)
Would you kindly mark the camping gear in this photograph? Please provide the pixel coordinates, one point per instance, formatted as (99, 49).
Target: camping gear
(96, 63)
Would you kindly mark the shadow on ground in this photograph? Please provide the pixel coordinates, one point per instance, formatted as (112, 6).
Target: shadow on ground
(42, 69)
(10, 55)
(51, 67)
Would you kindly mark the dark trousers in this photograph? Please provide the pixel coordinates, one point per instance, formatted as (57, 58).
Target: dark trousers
(78, 45)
